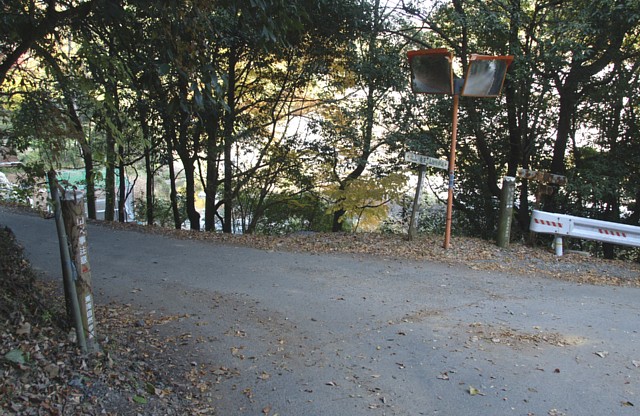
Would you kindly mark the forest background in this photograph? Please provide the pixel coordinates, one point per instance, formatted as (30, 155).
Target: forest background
(275, 116)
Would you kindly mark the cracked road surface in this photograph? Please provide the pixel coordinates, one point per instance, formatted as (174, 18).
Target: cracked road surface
(304, 334)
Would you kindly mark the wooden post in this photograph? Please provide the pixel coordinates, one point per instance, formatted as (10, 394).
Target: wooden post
(416, 204)
(506, 211)
(75, 225)
(70, 296)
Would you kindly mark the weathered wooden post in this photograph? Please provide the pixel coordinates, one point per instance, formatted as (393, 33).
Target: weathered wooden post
(416, 203)
(75, 225)
(71, 298)
(506, 211)
(423, 161)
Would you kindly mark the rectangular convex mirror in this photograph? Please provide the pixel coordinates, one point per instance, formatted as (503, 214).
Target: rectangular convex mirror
(431, 71)
(485, 75)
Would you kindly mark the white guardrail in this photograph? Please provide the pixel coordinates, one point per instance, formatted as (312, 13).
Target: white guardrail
(588, 229)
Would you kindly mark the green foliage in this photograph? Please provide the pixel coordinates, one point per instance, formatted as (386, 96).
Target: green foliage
(566, 57)
(162, 211)
(286, 214)
(285, 99)
(596, 180)
(433, 219)
(42, 126)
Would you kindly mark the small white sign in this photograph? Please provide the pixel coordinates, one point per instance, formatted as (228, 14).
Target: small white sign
(426, 160)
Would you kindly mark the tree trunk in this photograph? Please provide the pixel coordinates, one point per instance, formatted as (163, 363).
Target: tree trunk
(187, 156)
(109, 180)
(173, 194)
(485, 153)
(367, 137)
(513, 107)
(338, 221)
(229, 124)
(569, 95)
(189, 173)
(258, 211)
(149, 186)
(568, 102)
(91, 185)
(211, 187)
(634, 218)
(148, 165)
(81, 138)
(122, 186)
(87, 157)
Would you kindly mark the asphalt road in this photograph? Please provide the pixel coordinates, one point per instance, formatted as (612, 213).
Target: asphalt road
(308, 334)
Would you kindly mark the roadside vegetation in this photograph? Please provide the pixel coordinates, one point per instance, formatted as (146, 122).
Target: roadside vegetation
(273, 116)
(282, 125)
(43, 371)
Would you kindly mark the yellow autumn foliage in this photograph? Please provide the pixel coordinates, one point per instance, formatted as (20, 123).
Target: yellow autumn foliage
(366, 200)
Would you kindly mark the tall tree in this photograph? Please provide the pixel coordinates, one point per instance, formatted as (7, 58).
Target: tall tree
(25, 23)
(584, 38)
(65, 82)
(561, 48)
(256, 51)
(354, 124)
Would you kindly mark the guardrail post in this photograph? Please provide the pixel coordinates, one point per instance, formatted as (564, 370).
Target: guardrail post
(506, 211)
(557, 244)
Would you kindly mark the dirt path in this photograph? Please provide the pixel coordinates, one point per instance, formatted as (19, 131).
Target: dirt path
(264, 332)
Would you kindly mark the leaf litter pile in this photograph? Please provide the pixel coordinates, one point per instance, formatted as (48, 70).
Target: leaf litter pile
(42, 372)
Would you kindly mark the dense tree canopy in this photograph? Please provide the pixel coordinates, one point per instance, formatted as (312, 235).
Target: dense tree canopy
(271, 115)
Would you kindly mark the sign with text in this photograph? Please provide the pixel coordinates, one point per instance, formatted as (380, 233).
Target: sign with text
(544, 177)
(426, 160)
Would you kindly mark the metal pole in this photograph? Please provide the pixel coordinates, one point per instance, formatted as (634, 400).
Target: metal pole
(506, 211)
(452, 167)
(416, 203)
(67, 268)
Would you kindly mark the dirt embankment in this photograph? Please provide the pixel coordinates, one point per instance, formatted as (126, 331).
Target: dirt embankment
(43, 372)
